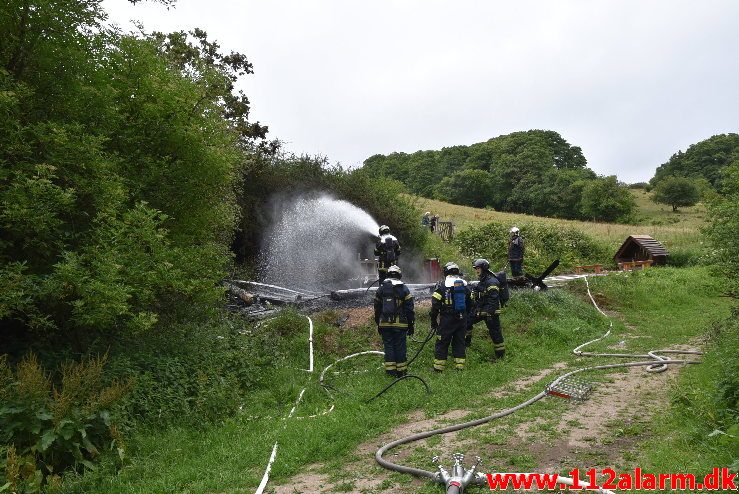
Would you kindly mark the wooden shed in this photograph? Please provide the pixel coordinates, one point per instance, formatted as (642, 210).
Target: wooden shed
(641, 248)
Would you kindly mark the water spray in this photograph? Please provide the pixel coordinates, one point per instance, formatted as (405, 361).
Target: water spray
(313, 241)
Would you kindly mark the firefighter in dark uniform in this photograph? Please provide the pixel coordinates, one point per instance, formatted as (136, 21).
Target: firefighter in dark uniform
(451, 303)
(395, 319)
(487, 298)
(387, 251)
(515, 252)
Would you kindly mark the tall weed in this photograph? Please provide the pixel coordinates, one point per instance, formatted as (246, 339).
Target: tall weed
(47, 428)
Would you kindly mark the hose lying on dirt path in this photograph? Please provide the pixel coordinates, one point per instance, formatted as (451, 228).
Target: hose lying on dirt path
(655, 364)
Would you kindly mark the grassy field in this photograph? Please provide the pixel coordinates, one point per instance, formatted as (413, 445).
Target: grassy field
(677, 231)
(667, 306)
(655, 308)
(652, 213)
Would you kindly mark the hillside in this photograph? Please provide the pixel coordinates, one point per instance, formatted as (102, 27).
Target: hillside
(679, 232)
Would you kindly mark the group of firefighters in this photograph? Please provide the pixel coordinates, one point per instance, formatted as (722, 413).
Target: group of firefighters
(455, 306)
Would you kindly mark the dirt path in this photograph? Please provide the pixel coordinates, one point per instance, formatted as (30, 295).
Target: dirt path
(556, 436)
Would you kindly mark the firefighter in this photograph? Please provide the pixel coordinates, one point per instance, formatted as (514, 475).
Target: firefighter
(426, 220)
(395, 319)
(488, 303)
(450, 306)
(387, 251)
(515, 252)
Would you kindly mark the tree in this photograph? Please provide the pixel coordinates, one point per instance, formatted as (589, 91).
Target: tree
(530, 171)
(704, 159)
(605, 199)
(676, 192)
(120, 156)
(466, 187)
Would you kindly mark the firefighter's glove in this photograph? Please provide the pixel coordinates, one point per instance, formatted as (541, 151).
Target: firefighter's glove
(411, 329)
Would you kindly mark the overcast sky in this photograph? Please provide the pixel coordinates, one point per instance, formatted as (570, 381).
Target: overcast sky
(630, 82)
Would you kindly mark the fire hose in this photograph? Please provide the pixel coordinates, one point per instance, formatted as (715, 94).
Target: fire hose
(461, 477)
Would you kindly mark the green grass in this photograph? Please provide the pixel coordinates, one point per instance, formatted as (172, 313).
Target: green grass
(678, 237)
(692, 435)
(667, 305)
(655, 214)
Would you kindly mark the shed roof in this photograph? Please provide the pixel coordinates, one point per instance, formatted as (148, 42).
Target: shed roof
(649, 244)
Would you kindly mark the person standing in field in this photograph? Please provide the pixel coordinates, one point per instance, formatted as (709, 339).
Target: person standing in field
(515, 252)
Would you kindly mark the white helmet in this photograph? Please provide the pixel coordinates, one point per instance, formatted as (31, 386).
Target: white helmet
(451, 268)
(515, 230)
(394, 272)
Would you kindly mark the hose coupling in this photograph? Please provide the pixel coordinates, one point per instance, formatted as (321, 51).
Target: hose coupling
(460, 477)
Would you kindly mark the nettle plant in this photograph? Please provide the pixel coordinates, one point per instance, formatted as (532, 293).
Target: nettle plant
(46, 429)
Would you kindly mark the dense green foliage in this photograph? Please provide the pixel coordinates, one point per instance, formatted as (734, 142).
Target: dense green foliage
(535, 172)
(467, 188)
(676, 192)
(120, 160)
(723, 232)
(544, 243)
(605, 199)
(704, 159)
(118, 163)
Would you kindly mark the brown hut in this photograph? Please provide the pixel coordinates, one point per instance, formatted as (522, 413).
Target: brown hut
(641, 248)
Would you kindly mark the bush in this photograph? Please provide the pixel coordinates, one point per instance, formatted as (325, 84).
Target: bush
(196, 374)
(46, 429)
(722, 231)
(544, 244)
(685, 257)
(604, 199)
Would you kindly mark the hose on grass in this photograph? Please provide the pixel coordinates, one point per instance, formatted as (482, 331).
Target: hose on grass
(656, 363)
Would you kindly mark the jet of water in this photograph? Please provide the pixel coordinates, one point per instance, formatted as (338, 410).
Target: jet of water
(314, 241)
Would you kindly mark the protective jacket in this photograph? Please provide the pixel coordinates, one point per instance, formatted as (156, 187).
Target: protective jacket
(451, 307)
(445, 303)
(515, 248)
(486, 295)
(387, 249)
(394, 306)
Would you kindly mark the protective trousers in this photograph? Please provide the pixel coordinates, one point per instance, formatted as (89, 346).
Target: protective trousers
(451, 331)
(516, 267)
(496, 333)
(394, 341)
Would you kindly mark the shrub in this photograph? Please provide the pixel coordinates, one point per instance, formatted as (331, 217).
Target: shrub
(544, 244)
(685, 257)
(47, 428)
(604, 199)
(196, 373)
